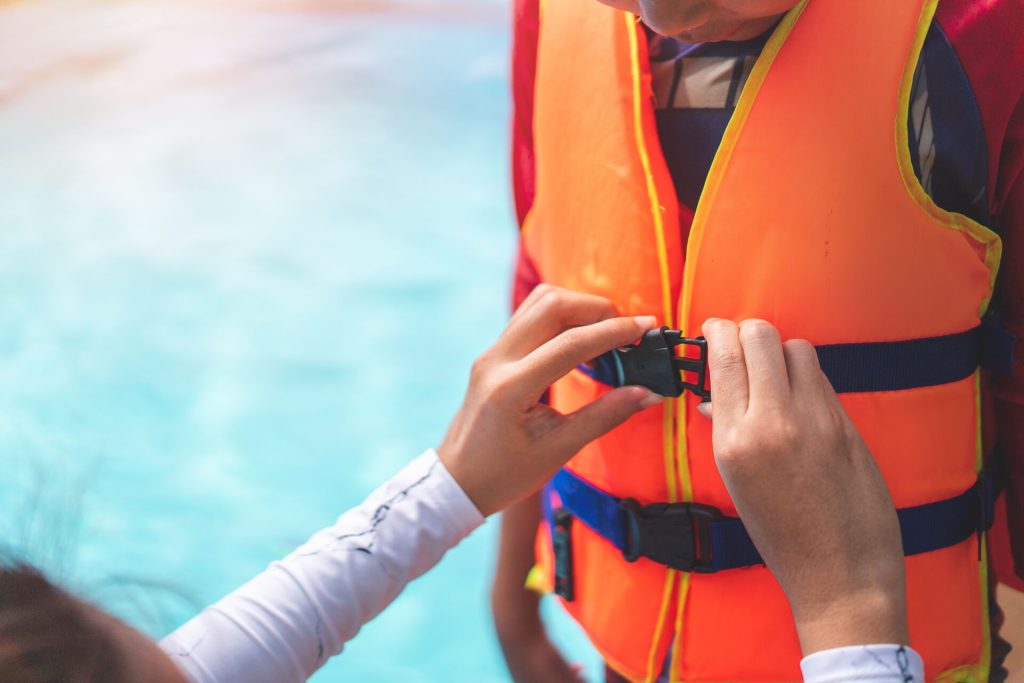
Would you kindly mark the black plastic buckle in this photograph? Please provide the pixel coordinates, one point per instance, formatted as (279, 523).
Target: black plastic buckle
(677, 535)
(561, 540)
(653, 363)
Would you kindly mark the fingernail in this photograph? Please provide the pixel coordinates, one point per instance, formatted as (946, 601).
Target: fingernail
(705, 409)
(645, 322)
(651, 399)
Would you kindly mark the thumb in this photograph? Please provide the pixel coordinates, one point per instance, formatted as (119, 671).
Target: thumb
(601, 416)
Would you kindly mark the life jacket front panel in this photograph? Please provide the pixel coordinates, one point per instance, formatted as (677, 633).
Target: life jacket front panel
(811, 218)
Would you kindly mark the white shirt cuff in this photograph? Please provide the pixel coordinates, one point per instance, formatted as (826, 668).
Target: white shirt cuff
(875, 663)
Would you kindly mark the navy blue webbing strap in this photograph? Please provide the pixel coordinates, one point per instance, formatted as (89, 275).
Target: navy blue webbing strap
(924, 528)
(888, 366)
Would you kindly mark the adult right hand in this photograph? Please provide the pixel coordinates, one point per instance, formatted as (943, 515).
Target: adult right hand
(504, 443)
(807, 488)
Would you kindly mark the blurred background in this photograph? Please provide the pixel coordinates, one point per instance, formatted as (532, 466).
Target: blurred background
(248, 250)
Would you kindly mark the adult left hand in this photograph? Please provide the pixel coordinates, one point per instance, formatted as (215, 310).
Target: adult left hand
(503, 443)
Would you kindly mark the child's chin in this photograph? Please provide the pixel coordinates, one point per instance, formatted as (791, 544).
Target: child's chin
(735, 32)
(700, 36)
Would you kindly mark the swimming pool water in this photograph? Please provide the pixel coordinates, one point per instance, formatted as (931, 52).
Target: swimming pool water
(246, 257)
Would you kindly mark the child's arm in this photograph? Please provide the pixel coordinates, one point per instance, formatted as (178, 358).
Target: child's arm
(530, 655)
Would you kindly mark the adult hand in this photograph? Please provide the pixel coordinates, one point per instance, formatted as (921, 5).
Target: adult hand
(806, 486)
(503, 443)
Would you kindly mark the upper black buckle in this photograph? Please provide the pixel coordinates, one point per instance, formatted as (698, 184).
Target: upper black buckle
(653, 363)
(677, 535)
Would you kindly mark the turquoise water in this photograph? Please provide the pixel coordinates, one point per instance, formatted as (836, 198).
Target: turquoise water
(246, 257)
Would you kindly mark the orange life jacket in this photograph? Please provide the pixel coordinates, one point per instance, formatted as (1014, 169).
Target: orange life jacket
(811, 218)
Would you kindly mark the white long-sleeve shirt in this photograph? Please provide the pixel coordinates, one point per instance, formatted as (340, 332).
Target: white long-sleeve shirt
(284, 624)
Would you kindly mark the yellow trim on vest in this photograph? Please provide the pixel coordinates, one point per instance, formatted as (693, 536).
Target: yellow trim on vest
(725, 150)
(993, 255)
(968, 673)
(677, 653)
(653, 665)
(985, 665)
(539, 581)
(978, 672)
(955, 221)
(728, 145)
(653, 661)
(714, 179)
(659, 228)
(645, 162)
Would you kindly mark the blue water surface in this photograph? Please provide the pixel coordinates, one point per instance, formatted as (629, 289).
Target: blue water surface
(247, 254)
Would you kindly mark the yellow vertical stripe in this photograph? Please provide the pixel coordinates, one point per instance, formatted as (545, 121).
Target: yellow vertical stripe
(668, 409)
(985, 662)
(714, 180)
(711, 186)
(645, 162)
(993, 254)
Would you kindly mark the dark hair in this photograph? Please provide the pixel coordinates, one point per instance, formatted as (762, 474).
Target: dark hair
(48, 636)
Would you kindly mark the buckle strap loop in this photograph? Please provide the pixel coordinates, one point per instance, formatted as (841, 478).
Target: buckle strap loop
(677, 535)
(699, 538)
(653, 363)
(851, 368)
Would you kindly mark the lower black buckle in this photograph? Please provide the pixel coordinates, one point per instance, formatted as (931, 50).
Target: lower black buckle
(653, 363)
(677, 535)
(561, 539)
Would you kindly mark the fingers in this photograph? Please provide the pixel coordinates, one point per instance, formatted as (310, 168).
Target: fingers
(728, 369)
(599, 417)
(535, 295)
(555, 358)
(548, 312)
(806, 377)
(802, 368)
(766, 364)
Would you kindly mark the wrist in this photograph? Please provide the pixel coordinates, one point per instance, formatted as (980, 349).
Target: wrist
(875, 616)
(465, 477)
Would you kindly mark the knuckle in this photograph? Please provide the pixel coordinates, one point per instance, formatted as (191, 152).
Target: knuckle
(799, 345)
(480, 367)
(536, 294)
(556, 294)
(731, 446)
(717, 325)
(499, 386)
(542, 294)
(556, 300)
(786, 435)
(758, 330)
(780, 434)
(542, 290)
(727, 359)
(800, 350)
